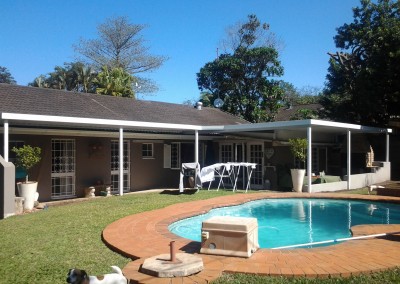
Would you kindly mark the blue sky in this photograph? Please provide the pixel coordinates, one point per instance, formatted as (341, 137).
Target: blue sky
(36, 36)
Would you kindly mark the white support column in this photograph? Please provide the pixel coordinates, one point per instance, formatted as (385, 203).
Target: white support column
(309, 158)
(196, 146)
(196, 154)
(6, 134)
(348, 159)
(121, 162)
(387, 147)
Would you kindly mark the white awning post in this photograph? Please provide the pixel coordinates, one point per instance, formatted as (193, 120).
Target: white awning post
(387, 146)
(6, 140)
(196, 146)
(121, 162)
(348, 159)
(309, 158)
(196, 151)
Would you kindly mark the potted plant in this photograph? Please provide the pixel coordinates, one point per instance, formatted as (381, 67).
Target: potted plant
(27, 157)
(298, 147)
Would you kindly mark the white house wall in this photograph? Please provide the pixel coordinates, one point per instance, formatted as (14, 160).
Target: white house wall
(382, 174)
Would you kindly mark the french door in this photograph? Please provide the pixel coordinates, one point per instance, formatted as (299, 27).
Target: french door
(115, 166)
(62, 168)
(256, 155)
(226, 153)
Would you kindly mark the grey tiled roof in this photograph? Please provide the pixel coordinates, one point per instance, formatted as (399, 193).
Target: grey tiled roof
(31, 100)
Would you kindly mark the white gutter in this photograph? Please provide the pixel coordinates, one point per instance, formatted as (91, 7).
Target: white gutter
(295, 124)
(96, 121)
(220, 128)
(257, 126)
(362, 128)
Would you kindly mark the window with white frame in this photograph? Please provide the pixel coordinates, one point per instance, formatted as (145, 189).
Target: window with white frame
(226, 153)
(147, 150)
(115, 166)
(175, 155)
(62, 168)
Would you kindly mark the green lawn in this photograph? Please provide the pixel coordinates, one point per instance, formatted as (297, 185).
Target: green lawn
(363, 190)
(40, 247)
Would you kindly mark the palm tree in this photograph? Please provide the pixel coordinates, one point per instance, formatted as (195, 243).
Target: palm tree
(58, 79)
(40, 82)
(85, 77)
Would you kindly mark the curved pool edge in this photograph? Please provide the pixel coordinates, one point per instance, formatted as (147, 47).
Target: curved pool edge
(146, 234)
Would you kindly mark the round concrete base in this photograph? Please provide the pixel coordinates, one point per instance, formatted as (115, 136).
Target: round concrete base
(161, 266)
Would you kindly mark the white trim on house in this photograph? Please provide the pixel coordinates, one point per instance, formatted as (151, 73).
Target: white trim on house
(320, 124)
(309, 125)
(96, 121)
(139, 137)
(293, 124)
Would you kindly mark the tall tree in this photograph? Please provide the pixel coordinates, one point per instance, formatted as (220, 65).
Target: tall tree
(120, 45)
(5, 76)
(363, 81)
(249, 34)
(243, 79)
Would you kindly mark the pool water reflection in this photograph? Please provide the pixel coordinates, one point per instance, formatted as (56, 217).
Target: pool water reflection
(284, 222)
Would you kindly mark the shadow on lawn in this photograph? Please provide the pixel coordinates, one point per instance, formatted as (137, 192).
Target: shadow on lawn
(176, 192)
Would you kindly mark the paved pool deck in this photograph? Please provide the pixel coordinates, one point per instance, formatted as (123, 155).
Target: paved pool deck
(145, 235)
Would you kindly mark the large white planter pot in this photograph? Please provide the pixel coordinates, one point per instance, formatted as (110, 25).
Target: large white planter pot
(29, 192)
(298, 179)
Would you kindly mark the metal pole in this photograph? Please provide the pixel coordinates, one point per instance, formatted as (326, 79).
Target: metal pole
(196, 146)
(121, 162)
(348, 159)
(196, 158)
(172, 251)
(309, 158)
(387, 147)
(6, 140)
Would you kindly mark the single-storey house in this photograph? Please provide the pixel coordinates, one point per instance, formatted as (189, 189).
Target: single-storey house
(82, 136)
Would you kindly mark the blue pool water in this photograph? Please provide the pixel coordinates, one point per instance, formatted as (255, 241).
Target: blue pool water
(284, 222)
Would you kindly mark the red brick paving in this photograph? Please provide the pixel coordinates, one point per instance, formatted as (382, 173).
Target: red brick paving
(146, 234)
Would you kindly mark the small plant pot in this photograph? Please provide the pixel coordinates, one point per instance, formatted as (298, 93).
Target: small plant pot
(29, 192)
(298, 179)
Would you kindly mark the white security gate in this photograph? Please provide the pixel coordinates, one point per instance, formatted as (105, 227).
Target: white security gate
(256, 155)
(115, 166)
(62, 168)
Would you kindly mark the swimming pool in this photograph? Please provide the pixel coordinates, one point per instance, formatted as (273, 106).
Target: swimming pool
(284, 222)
